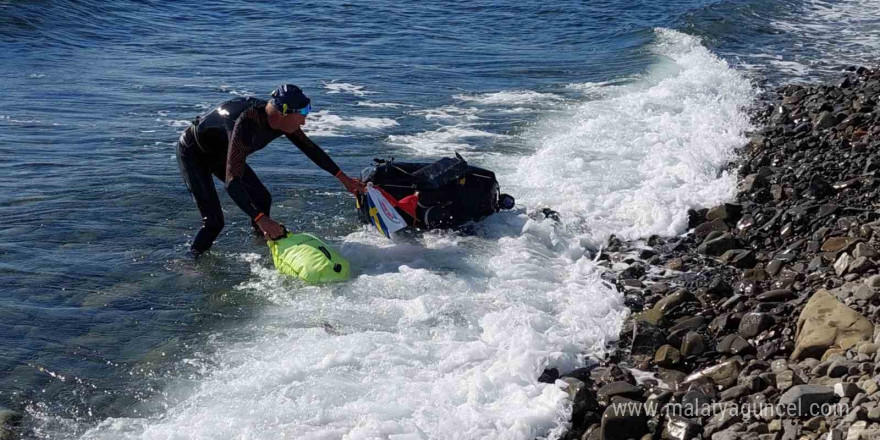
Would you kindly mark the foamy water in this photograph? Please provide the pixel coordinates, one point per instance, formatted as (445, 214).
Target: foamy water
(632, 162)
(443, 336)
(509, 98)
(813, 40)
(344, 87)
(324, 123)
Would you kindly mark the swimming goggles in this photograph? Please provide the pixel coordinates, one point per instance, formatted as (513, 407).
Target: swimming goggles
(289, 111)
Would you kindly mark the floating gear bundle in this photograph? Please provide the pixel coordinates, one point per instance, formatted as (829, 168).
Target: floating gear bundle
(444, 194)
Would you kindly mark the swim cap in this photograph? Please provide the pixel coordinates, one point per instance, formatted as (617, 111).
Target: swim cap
(289, 98)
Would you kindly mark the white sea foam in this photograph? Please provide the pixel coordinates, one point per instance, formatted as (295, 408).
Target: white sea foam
(444, 140)
(518, 97)
(343, 87)
(632, 163)
(449, 113)
(233, 91)
(814, 41)
(10, 119)
(324, 123)
(444, 336)
(372, 104)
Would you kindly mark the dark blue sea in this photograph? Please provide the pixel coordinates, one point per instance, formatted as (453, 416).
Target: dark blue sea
(617, 114)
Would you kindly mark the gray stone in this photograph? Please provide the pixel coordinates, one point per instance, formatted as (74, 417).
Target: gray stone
(691, 323)
(864, 250)
(753, 182)
(692, 344)
(839, 368)
(791, 429)
(645, 337)
(815, 424)
(860, 431)
(873, 282)
(672, 378)
(755, 275)
(734, 344)
(721, 420)
(846, 389)
(859, 399)
(758, 428)
(619, 388)
(717, 246)
(676, 264)
(744, 260)
(822, 368)
(867, 348)
(804, 400)
(860, 265)
(752, 324)
(834, 434)
(670, 301)
(746, 222)
(726, 211)
(856, 413)
(731, 302)
(667, 356)
(842, 264)
(778, 192)
(620, 422)
(778, 295)
(787, 379)
(795, 97)
(728, 256)
(865, 293)
(703, 230)
(842, 292)
(573, 386)
(727, 434)
(869, 386)
(680, 428)
(778, 365)
(824, 121)
(815, 264)
(734, 393)
(694, 402)
(774, 267)
(724, 374)
(633, 272)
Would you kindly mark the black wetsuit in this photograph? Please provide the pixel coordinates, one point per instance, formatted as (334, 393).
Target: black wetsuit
(218, 144)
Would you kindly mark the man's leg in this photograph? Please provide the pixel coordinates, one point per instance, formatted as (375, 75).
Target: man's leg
(197, 176)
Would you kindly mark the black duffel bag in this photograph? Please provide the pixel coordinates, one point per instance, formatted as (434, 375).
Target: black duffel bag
(449, 191)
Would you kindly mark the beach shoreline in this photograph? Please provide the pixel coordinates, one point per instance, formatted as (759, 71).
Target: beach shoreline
(760, 321)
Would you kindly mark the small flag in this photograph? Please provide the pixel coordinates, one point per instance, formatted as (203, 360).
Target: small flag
(382, 213)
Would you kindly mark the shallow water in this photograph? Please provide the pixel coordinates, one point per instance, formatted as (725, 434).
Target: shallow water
(619, 115)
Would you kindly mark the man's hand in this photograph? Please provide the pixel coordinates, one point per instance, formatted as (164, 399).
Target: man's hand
(353, 186)
(271, 229)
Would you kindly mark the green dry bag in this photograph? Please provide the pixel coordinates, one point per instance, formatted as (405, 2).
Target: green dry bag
(307, 257)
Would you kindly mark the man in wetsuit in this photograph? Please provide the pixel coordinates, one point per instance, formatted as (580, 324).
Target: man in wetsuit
(218, 144)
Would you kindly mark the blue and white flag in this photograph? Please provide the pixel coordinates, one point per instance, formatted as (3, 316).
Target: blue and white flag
(382, 213)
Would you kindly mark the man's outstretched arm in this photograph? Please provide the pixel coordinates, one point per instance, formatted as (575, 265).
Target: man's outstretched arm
(323, 160)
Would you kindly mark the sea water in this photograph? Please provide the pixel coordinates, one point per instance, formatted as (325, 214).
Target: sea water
(619, 116)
